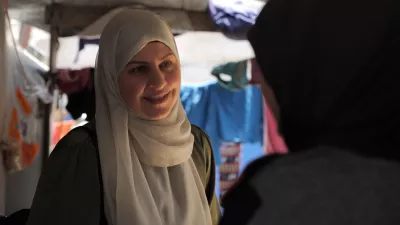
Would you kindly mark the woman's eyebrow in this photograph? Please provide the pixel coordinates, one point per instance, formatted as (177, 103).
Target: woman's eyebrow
(138, 62)
(167, 55)
(145, 62)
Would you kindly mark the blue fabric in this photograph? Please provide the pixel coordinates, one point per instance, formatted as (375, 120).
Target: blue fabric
(225, 115)
(232, 18)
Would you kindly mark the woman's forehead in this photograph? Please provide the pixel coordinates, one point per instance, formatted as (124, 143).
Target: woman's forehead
(152, 51)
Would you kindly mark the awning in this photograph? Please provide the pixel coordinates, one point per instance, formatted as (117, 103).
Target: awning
(90, 16)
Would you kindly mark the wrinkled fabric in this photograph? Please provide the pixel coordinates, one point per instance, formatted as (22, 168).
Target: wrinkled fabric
(234, 18)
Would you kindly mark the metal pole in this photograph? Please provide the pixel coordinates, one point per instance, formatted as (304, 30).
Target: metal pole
(51, 81)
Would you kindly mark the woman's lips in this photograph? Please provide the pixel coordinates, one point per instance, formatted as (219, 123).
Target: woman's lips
(158, 99)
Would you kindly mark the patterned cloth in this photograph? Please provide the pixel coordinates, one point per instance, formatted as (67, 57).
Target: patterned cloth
(230, 165)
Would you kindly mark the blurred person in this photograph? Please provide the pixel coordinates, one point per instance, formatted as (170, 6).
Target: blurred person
(333, 67)
(140, 161)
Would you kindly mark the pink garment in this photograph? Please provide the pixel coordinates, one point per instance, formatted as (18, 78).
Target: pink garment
(273, 141)
(72, 81)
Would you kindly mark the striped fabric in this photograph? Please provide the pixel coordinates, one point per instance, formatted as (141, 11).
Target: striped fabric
(230, 164)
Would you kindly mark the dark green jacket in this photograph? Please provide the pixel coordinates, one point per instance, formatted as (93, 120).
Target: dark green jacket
(70, 189)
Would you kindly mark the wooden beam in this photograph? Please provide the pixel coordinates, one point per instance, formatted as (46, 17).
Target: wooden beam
(54, 31)
(71, 19)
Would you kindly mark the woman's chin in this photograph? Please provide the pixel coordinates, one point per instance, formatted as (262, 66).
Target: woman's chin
(157, 113)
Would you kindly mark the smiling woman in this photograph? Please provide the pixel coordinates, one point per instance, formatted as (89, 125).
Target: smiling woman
(140, 161)
(150, 82)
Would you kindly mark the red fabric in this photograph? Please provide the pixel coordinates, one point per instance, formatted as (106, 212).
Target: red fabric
(274, 141)
(256, 74)
(72, 81)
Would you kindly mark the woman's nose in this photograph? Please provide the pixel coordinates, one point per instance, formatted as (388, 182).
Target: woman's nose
(157, 80)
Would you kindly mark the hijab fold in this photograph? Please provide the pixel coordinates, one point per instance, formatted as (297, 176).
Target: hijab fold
(148, 175)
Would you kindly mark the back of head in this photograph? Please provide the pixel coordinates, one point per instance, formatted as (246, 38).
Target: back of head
(333, 66)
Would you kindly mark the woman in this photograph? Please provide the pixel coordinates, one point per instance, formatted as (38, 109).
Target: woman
(156, 168)
(333, 66)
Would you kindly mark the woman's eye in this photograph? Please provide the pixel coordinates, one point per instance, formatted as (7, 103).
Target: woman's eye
(138, 69)
(165, 64)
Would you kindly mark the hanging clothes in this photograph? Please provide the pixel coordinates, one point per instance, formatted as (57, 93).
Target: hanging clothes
(79, 86)
(82, 43)
(230, 165)
(213, 108)
(234, 18)
(273, 141)
(237, 71)
(71, 81)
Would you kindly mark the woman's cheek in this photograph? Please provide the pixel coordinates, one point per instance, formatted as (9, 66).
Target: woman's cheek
(131, 88)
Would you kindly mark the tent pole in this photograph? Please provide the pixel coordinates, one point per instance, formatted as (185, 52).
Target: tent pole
(51, 85)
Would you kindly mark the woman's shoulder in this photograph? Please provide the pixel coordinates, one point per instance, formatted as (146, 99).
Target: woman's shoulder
(70, 180)
(200, 136)
(77, 136)
(74, 152)
(202, 143)
(202, 153)
(76, 144)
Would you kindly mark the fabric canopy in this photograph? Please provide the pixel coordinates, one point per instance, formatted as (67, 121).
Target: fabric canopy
(73, 16)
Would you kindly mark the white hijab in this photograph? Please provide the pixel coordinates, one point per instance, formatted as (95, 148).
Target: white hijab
(148, 174)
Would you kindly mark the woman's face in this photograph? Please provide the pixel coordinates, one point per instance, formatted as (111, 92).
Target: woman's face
(150, 82)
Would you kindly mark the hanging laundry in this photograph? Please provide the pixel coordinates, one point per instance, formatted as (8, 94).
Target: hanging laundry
(234, 18)
(71, 81)
(230, 165)
(82, 43)
(79, 87)
(213, 108)
(24, 87)
(237, 71)
(60, 129)
(273, 141)
(23, 136)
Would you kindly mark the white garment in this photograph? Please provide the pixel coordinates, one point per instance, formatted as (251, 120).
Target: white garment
(148, 174)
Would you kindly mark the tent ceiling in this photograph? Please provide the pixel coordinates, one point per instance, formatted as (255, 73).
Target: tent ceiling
(192, 5)
(74, 16)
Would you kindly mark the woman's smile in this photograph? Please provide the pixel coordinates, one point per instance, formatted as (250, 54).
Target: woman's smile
(159, 99)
